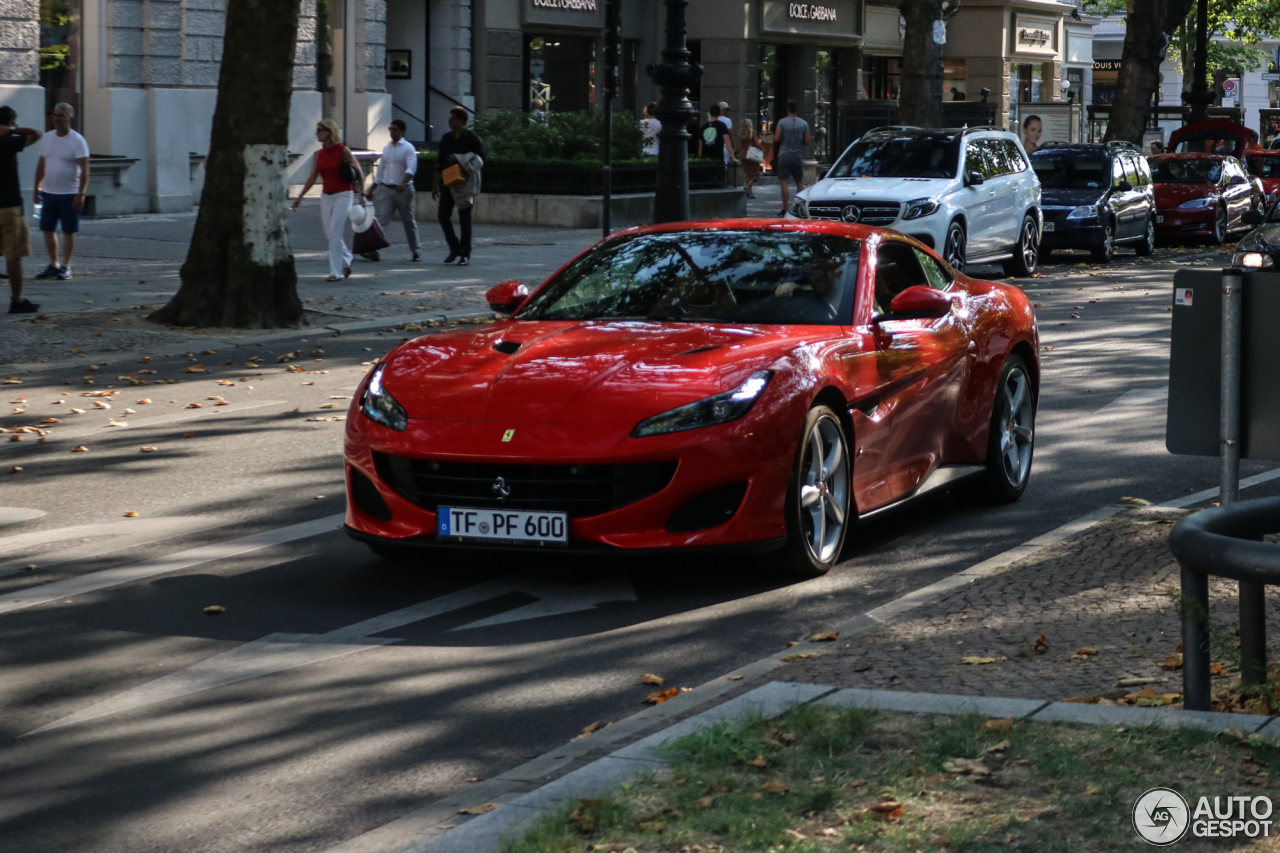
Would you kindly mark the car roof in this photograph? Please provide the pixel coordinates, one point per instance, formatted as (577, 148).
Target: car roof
(1193, 155)
(1114, 145)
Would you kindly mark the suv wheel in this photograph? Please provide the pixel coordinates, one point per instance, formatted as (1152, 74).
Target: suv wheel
(1147, 246)
(953, 250)
(1027, 252)
(1106, 250)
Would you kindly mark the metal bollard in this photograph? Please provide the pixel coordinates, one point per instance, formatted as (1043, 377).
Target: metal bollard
(1195, 640)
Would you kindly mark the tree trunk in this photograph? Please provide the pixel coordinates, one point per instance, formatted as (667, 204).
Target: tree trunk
(239, 269)
(920, 101)
(1148, 29)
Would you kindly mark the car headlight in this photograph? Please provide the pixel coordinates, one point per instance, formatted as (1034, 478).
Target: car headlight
(719, 409)
(1198, 204)
(379, 406)
(799, 208)
(1252, 260)
(1087, 211)
(919, 207)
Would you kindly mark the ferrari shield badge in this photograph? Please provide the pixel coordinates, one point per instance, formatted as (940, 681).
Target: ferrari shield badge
(508, 435)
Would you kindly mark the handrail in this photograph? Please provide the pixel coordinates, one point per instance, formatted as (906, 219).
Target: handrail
(456, 101)
(1225, 542)
(420, 121)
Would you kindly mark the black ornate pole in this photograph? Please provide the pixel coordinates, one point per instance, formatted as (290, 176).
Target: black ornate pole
(1200, 97)
(675, 74)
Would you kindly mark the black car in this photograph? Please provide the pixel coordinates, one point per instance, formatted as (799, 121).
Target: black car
(1260, 248)
(1095, 196)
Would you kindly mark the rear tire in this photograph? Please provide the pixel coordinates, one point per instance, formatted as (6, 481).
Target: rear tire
(1027, 253)
(1011, 441)
(819, 505)
(1106, 250)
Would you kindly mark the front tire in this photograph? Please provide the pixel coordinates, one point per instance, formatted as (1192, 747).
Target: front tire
(1219, 227)
(1027, 252)
(1106, 250)
(819, 497)
(955, 246)
(1011, 441)
(1147, 246)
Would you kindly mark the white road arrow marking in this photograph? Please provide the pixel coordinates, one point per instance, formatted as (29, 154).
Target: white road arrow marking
(124, 533)
(15, 514)
(279, 652)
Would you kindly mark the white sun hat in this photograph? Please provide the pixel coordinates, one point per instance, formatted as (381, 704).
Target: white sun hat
(361, 217)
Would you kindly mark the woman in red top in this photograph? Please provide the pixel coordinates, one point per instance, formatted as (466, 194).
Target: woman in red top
(337, 195)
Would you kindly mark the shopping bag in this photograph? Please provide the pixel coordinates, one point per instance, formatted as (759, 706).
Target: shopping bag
(369, 240)
(453, 175)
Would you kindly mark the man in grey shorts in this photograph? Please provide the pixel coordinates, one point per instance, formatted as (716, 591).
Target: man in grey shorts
(790, 136)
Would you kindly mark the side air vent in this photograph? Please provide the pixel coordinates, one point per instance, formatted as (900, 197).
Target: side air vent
(507, 347)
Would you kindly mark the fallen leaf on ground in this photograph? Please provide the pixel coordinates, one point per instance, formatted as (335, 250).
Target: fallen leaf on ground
(758, 762)
(796, 834)
(1086, 700)
(79, 448)
(593, 727)
(650, 678)
(483, 808)
(858, 783)
(773, 786)
(149, 448)
(195, 368)
(1040, 646)
(194, 406)
(133, 513)
(735, 678)
(828, 637)
(887, 809)
(1173, 662)
(16, 469)
(661, 696)
(215, 608)
(966, 767)
(977, 661)
(1135, 501)
(1086, 650)
(1002, 725)
(777, 737)
(997, 747)
(1217, 669)
(476, 779)
(188, 435)
(29, 567)
(1091, 789)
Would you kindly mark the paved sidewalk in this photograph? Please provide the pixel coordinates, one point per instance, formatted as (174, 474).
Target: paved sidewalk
(1112, 588)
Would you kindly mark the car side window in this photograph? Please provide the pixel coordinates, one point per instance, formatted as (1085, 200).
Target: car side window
(1144, 171)
(1017, 163)
(981, 158)
(897, 268)
(939, 276)
(1117, 171)
(1131, 172)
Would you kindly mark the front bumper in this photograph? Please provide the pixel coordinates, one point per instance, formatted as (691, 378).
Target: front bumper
(1071, 234)
(1174, 222)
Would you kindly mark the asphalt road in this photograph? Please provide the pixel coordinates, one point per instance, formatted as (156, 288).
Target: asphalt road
(339, 692)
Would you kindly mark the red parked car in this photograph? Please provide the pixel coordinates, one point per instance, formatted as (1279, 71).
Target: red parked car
(1202, 195)
(751, 385)
(1264, 166)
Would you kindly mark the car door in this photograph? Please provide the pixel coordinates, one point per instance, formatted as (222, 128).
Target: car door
(1121, 199)
(1004, 202)
(924, 362)
(1237, 190)
(979, 158)
(1134, 226)
(1026, 185)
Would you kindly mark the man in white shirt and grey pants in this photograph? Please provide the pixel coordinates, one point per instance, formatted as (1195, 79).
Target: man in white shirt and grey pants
(393, 189)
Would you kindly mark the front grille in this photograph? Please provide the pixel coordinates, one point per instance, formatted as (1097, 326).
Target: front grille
(869, 212)
(579, 490)
(1051, 215)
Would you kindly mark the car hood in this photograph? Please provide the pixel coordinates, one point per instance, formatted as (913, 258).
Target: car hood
(1264, 238)
(878, 189)
(1172, 195)
(579, 372)
(1070, 197)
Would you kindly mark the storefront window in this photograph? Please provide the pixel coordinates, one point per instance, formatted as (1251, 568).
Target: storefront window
(771, 87)
(60, 55)
(561, 73)
(954, 80)
(825, 76)
(883, 77)
(1029, 79)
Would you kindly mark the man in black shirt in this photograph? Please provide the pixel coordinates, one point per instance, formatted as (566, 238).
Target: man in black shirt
(15, 240)
(458, 141)
(715, 139)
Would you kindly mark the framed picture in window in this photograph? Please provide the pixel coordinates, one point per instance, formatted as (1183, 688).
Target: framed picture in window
(399, 64)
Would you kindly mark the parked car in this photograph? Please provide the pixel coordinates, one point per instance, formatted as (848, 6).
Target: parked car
(1260, 248)
(967, 193)
(1264, 166)
(741, 384)
(1095, 196)
(1212, 136)
(1202, 195)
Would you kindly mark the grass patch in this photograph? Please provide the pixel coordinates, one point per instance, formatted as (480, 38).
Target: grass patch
(825, 779)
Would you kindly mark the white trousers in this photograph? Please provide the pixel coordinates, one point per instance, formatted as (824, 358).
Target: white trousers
(333, 215)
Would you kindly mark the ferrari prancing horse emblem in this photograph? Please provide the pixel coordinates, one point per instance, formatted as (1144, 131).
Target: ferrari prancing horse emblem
(508, 435)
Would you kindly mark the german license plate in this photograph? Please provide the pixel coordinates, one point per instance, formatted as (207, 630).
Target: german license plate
(1048, 226)
(498, 525)
(1159, 220)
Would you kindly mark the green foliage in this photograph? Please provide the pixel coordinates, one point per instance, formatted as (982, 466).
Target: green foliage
(516, 135)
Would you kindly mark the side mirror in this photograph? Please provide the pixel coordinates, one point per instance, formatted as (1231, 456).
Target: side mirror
(1253, 217)
(920, 300)
(506, 297)
(973, 178)
(1124, 186)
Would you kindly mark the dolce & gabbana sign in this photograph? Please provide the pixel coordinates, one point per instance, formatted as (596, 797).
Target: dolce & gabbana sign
(832, 18)
(565, 13)
(1034, 35)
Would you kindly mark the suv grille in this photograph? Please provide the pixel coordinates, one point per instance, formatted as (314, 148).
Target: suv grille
(579, 490)
(869, 212)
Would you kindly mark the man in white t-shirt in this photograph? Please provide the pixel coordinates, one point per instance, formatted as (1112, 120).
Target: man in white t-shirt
(727, 122)
(63, 172)
(393, 190)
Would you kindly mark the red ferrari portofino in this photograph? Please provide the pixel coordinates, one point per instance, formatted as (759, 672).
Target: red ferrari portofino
(748, 384)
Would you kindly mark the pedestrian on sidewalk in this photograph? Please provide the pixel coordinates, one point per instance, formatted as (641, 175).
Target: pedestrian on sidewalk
(748, 140)
(650, 127)
(454, 148)
(714, 141)
(338, 192)
(15, 238)
(790, 136)
(63, 172)
(393, 189)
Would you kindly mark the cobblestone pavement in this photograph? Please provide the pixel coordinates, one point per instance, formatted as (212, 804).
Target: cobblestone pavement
(1112, 588)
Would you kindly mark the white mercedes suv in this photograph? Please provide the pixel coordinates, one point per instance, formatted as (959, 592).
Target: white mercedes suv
(970, 194)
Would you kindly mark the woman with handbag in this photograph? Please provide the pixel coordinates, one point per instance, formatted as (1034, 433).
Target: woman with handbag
(342, 185)
(750, 152)
(448, 184)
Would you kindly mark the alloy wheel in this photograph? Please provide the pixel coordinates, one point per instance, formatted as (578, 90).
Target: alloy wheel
(824, 494)
(1220, 225)
(1030, 245)
(1017, 427)
(955, 248)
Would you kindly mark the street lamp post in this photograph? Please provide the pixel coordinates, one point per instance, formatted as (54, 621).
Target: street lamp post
(675, 74)
(1199, 98)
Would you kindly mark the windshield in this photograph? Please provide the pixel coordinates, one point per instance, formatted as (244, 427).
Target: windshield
(1067, 169)
(1208, 142)
(1186, 171)
(885, 156)
(727, 276)
(1264, 166)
